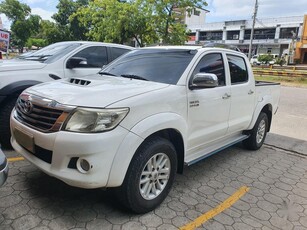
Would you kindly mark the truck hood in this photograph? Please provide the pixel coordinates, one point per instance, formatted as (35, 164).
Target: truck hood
(19, 64)
(100, 91)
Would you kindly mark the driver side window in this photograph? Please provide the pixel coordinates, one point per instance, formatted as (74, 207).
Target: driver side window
(212, 63)
(96, 56)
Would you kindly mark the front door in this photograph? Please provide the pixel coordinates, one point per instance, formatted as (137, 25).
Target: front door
(96, 57)
(208, 108)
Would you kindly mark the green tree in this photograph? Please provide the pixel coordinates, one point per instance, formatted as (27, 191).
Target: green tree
(38, 42)
(169, 16)
(265, 58)
(23, 23)
(147, 21)
(14, 10)
(53, 32)
(71, 28)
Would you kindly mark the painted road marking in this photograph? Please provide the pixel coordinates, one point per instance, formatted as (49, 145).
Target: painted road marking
(203, 218)
(217, 210)
(12, 159)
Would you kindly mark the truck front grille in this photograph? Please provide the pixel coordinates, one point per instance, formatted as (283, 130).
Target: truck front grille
(42, 114)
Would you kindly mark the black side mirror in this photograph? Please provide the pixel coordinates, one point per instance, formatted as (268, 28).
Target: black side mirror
(203, 80)
(74, 62)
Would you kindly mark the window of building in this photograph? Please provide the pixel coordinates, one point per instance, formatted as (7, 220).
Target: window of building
(212, 63)
(196, 12)
(288, 33)
(260, 34)
(238, 70)
(211, 36)
(233, 35)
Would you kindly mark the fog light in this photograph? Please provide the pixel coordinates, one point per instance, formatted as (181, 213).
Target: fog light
(83, 165)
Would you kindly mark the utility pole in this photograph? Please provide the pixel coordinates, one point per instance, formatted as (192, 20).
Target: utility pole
(252, 32)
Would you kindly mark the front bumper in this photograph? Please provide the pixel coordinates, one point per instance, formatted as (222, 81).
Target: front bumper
(65, 148)
(4, 168)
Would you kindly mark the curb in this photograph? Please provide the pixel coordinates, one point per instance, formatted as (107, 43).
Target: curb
(287, 143)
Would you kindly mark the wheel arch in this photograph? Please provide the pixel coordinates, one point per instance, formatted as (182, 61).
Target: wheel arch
(267, 108)
(14, 89)
(175, 137)
(169, 126)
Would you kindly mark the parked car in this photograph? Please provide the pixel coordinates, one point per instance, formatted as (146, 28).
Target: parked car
(254, 60)
(142, 118)
(56, 61)
(4, 168)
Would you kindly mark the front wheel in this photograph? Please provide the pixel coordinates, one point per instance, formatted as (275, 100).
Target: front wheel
(258, 133)
(150, 176)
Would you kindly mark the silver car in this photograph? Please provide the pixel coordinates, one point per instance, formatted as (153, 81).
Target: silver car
(4, 168)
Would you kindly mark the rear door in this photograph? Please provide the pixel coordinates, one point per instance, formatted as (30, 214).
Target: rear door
(242, 93)
(208, 108)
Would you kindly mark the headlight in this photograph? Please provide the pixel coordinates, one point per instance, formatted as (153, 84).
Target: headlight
(87, 120)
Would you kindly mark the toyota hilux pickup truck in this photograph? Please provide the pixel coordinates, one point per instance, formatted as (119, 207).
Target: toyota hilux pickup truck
(53, 62)
(143, 118)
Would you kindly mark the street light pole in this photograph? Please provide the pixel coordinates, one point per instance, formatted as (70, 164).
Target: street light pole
(252, 32)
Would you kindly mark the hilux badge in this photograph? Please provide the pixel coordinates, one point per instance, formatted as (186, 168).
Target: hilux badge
(28, 107)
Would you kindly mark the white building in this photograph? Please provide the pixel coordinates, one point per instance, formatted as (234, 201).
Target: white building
(196, 18)
(1, 24)
(271, 35)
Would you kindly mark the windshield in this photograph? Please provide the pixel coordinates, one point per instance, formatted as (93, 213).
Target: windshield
(158, 65)
(50, 53)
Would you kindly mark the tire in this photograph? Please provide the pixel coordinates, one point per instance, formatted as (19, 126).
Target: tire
(258, 133)
(133, 193)
(5, 132)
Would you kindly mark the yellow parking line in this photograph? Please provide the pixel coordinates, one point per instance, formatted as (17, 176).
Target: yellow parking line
(12, 159)
(218, 209)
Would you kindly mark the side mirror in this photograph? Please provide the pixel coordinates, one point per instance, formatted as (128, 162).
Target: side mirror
(74, 62)
(203, 80)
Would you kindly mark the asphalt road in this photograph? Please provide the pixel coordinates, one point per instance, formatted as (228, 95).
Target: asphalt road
(274, 181)
(291, 117)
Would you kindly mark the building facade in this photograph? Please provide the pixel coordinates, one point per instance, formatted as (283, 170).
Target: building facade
(301, 45)
(272, 35)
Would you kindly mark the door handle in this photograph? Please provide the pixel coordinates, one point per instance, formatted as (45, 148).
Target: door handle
(226, 96)
(250, 92)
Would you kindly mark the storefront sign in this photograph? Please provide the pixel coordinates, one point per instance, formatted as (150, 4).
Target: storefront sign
(4, 41)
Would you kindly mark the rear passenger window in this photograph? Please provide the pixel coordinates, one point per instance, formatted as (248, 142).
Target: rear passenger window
(116, 52)
(212, 63)
(238, 70)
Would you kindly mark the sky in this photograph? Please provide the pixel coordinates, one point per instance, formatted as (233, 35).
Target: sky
(220, 10)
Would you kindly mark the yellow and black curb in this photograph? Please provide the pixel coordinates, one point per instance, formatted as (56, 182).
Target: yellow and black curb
(280, 73)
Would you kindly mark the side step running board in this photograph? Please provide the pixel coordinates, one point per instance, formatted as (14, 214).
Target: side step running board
(242, 138)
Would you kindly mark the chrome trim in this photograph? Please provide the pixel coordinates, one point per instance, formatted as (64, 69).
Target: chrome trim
(46, 115)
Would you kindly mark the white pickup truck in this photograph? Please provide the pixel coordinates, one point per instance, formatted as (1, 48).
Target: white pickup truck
(146, 115)
(53, 62)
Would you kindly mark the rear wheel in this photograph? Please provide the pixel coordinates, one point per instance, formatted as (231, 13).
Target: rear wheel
(150, 176)
(258, 133)
(5, 112)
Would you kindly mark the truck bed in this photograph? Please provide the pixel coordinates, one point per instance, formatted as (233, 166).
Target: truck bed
(265, 83)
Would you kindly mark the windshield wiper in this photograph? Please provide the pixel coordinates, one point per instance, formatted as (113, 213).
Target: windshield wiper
(106, 73)
(132, 76)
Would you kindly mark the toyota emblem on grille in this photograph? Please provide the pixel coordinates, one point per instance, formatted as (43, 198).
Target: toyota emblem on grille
(28, 107)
